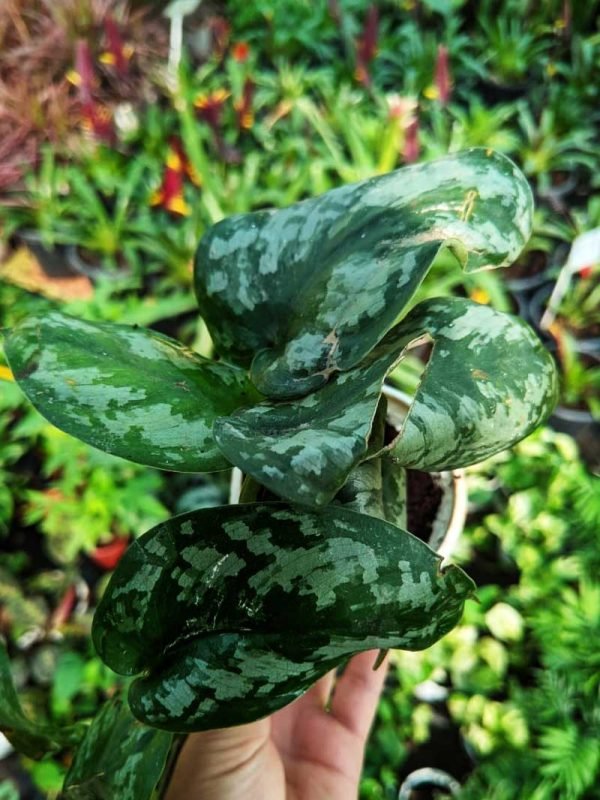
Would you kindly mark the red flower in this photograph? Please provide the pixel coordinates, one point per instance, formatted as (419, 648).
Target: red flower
(442, 80)
(367, 46)
(240, 52)
(412, 146)
(64, 609)
(107, 556)
(118, 54)
(96, 117)
(210, 107)
(169, 195)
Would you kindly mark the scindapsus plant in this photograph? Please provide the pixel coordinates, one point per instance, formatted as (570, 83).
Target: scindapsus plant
(224, 615)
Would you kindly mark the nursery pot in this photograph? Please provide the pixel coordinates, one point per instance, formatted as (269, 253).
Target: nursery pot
(428, 779)
(451, 512)
(537, 271)
(52, 259)
(537, 306)
(93, 270)
(584, 428)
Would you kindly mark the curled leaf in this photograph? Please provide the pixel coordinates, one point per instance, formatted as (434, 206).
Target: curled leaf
(309, 290)
(230, 613)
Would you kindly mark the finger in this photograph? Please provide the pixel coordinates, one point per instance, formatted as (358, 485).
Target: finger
(357, 693)
(319, 694)
(284, 721)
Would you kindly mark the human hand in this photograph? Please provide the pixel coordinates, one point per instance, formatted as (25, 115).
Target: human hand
(302, 752)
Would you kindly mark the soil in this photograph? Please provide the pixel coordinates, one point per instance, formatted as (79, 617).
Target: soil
(529, 264)
(444, 750)
(424, 498)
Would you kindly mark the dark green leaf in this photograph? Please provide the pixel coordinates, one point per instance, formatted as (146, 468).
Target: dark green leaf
(129, 391)
(305, 449)
(489, 382)
(27, 736)
(118, 758)
(232, 612)
(309, 290)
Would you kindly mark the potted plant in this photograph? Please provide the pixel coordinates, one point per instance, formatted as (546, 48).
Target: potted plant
(566, 314)
(226, 614)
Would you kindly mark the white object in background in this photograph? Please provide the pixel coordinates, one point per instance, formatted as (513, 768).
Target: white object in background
(429, 777)
(585, 252)
(176, 11)
(6, 747)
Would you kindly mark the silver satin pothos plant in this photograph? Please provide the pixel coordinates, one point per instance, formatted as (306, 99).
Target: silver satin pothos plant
(223, 615)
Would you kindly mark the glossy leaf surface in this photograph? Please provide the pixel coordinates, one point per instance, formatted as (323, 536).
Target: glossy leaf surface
(488, 383)
(128, 391)
(26, 735)
(232, 612)
(309, 290)
(118, 758)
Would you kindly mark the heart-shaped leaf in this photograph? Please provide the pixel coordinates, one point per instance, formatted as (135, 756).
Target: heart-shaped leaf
(309, 290)
(34, 739)
(488, 383)
(232, 612)
(118, 758)
(126, 390)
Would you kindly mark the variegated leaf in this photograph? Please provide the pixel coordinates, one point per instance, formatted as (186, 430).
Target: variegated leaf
(489, 382)
(118, 758)
(232, 612)
(303, 450)
(309, 290)
(126, 390)
(393, 492)
(32, 738)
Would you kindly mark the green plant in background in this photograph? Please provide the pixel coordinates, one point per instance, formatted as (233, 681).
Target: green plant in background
(521, 670)
(302, 305)
(511, 49)
(42, 203)
(579, 376)
(548, 150)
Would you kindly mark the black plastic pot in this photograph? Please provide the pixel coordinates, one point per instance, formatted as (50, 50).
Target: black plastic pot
(95, 271)
(584, 428)
(496, 91)
(53, 260)
(525, 285)
(535, 311)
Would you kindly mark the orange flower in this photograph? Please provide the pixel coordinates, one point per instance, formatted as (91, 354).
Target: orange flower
(243, 106)
(240, 52)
